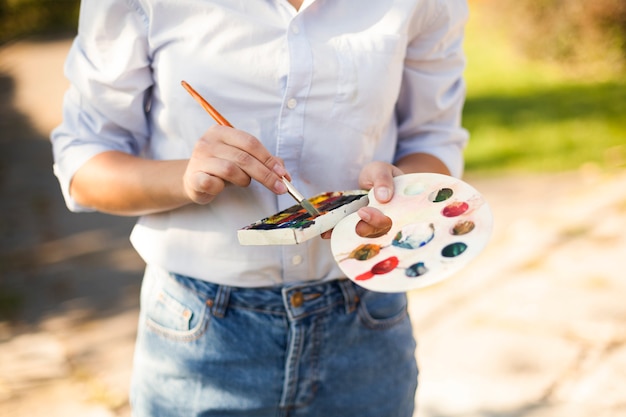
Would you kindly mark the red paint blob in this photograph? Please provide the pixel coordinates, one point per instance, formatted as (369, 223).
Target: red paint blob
(364, 277)
(455, 209)
(386, 266)
(382, 267)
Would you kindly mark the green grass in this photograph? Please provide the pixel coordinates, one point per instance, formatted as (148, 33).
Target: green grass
(533, 116)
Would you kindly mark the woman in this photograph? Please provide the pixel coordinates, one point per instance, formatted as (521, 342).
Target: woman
(334, 95)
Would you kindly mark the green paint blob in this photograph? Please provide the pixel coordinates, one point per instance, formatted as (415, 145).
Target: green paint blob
(441, 195)
(453, 250)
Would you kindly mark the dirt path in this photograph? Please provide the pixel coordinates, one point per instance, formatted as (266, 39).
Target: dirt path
(535, 327)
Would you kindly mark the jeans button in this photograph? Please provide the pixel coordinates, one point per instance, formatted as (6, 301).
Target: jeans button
(297, 299)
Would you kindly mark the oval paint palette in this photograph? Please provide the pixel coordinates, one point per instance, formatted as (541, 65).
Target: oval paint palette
(440, 224)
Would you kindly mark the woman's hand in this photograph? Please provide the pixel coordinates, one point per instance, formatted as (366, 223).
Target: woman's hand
(225, 155)
(118, 183)
(378, 176)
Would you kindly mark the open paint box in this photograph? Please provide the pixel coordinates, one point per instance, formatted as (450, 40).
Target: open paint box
(294, 225)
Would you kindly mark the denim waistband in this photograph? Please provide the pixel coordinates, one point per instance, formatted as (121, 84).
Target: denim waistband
(296, 300)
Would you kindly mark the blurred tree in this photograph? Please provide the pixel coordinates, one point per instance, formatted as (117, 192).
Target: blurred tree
(19, 18)
(580, 34)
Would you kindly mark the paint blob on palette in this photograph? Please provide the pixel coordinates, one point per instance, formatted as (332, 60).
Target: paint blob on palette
(294, 225)
(440, 224)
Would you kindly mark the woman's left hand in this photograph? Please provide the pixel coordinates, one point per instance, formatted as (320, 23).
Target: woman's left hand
(379, 176)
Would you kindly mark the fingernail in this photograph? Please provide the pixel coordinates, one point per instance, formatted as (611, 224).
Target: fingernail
(383, 194)
(364, 215)
(279, 187)
(280, 170)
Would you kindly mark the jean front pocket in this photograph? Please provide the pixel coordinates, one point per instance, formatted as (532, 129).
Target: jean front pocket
(381, 310)
(177, 312)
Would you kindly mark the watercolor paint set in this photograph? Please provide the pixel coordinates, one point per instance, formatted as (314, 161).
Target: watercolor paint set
(295, 225)
(440, 223)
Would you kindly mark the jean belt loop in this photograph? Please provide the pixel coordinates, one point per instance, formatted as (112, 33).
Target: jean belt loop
(350, 296)
(221, 301)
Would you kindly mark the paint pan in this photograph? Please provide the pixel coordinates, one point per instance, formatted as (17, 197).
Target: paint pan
(440, 224)
(295, 225)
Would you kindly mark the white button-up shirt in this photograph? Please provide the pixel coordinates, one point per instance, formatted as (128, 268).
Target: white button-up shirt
(328, 89)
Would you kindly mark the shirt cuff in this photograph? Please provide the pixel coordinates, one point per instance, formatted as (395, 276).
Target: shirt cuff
(64, 169)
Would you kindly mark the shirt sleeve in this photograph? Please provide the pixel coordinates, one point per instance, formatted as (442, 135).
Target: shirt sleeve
(433, 90)
(108, 67)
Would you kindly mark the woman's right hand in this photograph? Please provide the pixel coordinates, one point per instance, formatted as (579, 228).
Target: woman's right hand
(224, 155)
(119, 183)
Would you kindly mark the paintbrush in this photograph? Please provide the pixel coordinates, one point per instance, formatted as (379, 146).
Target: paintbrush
(306, 204)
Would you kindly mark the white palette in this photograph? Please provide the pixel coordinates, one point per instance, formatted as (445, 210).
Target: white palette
(440, 224)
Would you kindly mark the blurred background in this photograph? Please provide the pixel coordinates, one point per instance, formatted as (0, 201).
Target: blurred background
(535, 327)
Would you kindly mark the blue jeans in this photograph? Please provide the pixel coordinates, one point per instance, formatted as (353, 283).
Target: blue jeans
(314, 349)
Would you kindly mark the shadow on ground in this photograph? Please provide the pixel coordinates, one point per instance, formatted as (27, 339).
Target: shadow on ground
(53, 261)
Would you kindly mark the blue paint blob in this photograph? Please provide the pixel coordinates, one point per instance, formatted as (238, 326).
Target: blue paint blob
(414, 236)
(416, 270)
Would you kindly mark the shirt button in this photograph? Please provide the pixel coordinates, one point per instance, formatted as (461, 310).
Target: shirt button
(295, 29)
(292, 103)
(296, 260)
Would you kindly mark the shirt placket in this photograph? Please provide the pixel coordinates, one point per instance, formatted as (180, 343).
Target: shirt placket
(290, 131)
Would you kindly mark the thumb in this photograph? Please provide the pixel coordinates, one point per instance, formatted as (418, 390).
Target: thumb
(379, 177)
(383, 192)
